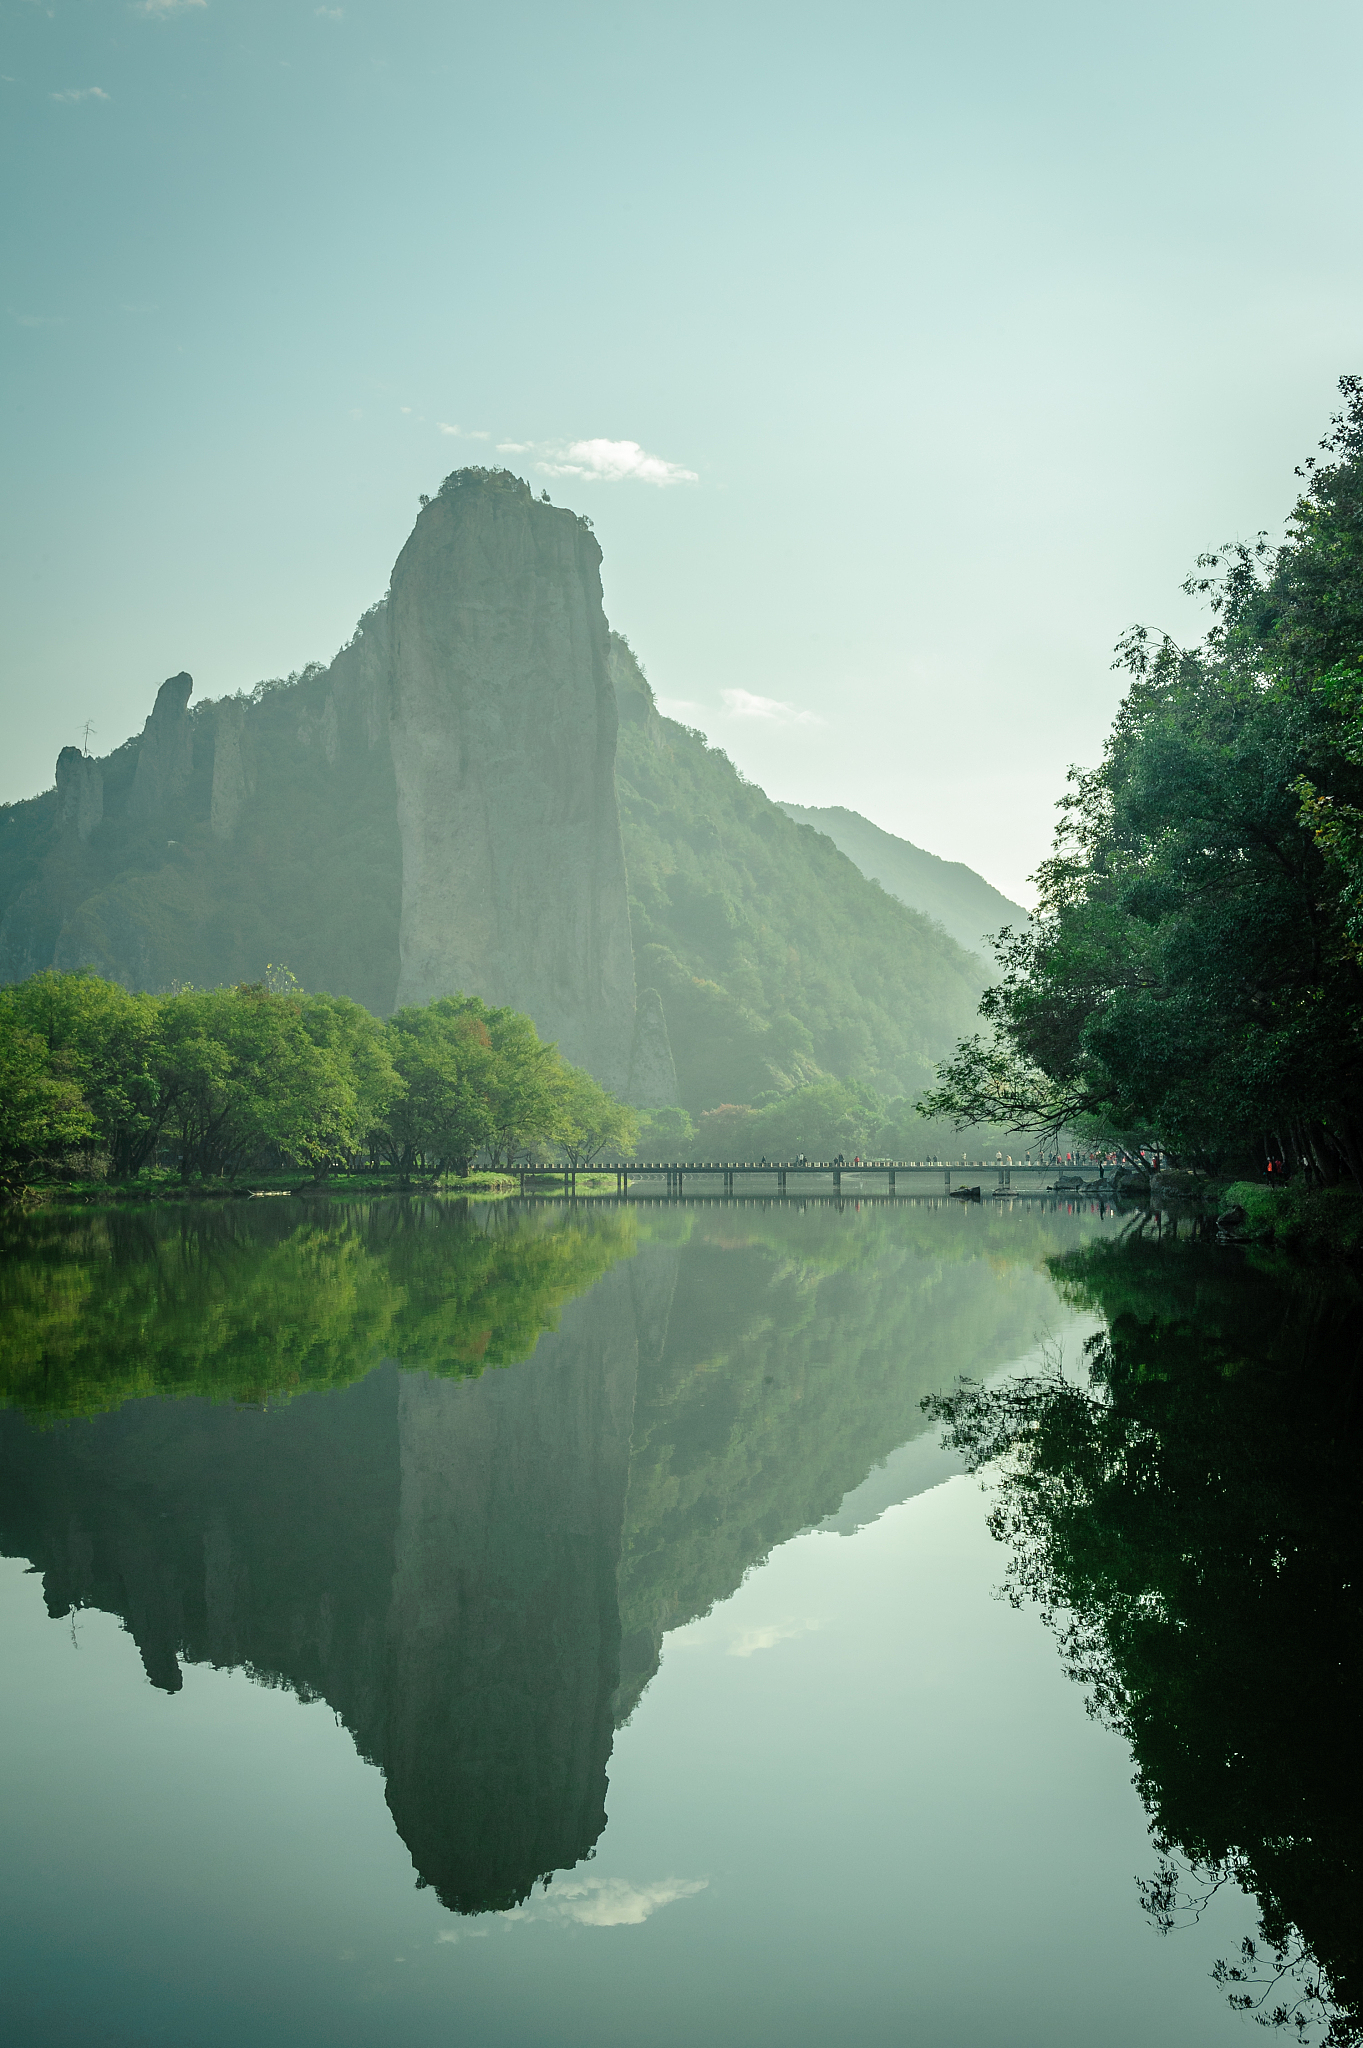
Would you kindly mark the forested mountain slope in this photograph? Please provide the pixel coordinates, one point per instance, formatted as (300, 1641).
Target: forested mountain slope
(970, 908)
(776, 959)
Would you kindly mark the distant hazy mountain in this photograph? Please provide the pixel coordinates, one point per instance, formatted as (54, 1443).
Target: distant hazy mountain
(954, 894)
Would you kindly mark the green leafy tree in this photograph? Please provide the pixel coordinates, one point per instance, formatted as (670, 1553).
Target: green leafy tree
(591, 1121)
(358, 1052)
(527, 1084)
(1191, 979)
(42, 1109)
(665, 1134)
(104, 1038)
(247, 1080)
(442, 1111)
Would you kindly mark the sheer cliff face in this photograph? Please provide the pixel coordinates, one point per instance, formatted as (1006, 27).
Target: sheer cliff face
(503, 727)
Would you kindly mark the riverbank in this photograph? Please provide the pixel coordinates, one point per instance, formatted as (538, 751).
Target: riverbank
(164, 1186)
(1321, 1222)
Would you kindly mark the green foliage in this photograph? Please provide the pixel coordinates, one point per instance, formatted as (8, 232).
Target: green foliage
(102, 1038)
(665, 1134)
(1185, 1515)
(443, 1111)
(257, 1301)
(777, 961)
(245, 1076)
(529, 1080)
(1191, 979)
(1302, 1217)
(40, 1102)
(821, 1120)
(590, 1121)
(223, 1079)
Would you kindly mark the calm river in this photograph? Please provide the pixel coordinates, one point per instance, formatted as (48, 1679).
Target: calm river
(525, 1624)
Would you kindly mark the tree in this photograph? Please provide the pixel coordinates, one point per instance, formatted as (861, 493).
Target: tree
(358, 1050)
(42, 1109)
(245, 1078)
(441, 1113)
(1190, 978)
(527, 1082)
(590, 1120)
(104, 1038)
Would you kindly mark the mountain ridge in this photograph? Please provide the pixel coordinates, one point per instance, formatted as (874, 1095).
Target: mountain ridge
(962, 901)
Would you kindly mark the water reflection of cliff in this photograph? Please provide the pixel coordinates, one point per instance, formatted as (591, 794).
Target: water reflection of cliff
(474, 1567)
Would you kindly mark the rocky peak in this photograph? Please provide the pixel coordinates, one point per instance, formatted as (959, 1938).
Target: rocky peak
(80, 792)
(503, 727)
(166, 754)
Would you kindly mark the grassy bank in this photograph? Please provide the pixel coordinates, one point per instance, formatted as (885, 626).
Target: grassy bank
(1326, 1222)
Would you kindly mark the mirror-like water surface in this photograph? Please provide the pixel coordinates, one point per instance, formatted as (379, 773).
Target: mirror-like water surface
(530, 1624)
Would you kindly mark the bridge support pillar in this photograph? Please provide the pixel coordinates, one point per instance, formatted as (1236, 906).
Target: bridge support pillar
(947, 1178)
(837, 1180)
(892, 1180)
(781, 1180)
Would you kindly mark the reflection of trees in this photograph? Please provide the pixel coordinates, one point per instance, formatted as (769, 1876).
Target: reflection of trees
(260, 1300)
(1185, 1514)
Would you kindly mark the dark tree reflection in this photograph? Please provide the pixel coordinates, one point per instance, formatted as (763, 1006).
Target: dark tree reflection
(1184, 1509)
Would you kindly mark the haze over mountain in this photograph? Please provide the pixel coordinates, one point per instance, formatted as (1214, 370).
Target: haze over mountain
(970, 908)
(480, 794)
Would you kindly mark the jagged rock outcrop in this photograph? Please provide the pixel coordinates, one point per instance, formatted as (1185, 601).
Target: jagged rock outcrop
(652, 1072)
(165, 758)
(80, 792)
(503, 725)
(231, 782)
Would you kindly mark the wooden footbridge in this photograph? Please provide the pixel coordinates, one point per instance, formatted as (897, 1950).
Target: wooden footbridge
(868, 1175)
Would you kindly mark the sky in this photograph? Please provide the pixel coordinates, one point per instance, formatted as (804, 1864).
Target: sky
(902, 356)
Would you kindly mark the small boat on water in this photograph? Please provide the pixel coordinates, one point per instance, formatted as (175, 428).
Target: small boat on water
(964, 1195)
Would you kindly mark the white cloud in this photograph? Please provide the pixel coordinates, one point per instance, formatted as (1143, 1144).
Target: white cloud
(463, 433)
(614, 1902)
(81, 92)
(159, 7)
(40, 319)
(514, 447)
(768, 1636)
(678, 707)
(743, 704)
(615, 462)
(330, 13)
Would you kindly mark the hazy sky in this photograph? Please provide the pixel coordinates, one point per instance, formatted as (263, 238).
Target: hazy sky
(952, 334)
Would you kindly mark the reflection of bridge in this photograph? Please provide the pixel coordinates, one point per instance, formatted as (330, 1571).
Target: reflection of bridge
(922, 1176)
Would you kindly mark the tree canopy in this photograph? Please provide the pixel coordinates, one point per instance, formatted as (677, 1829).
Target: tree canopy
(1191, 978)
(217, 1081)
